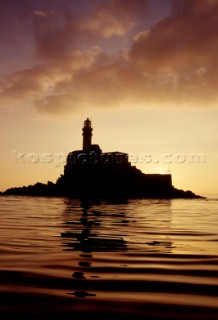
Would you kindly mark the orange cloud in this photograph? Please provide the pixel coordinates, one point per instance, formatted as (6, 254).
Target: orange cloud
(174, 62)
(180, 52)
(113, 18)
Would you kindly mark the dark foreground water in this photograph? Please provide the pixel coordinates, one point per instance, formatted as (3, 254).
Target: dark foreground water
(141, 259)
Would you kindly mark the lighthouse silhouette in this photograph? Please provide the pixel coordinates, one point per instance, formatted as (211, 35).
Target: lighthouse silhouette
(87, 135)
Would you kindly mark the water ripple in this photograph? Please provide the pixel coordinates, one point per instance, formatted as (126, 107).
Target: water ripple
(148, 259)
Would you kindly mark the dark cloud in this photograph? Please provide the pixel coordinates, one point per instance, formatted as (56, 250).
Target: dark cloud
(174, 62)
(58, 35)
(180, 52)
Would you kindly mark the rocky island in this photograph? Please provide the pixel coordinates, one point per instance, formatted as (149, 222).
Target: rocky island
(91, 173)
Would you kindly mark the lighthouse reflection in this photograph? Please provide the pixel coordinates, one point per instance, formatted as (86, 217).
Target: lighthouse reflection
(100, 226)
(88, 227)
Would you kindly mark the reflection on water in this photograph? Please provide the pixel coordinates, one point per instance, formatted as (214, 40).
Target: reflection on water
(148, 259)
(87, 232)
(102, 226)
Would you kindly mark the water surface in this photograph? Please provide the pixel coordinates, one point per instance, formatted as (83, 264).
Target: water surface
(150, 259)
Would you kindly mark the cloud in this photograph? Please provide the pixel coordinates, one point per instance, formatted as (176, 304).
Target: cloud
(66, 62)
(180, 52)
(174, 62)
(114, 18)
(58, 35)
(47, 81)
(40, 13)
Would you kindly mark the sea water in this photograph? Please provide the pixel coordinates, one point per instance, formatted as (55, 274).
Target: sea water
(144, 259)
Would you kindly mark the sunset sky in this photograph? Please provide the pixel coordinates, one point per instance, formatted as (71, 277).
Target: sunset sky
(144, 71)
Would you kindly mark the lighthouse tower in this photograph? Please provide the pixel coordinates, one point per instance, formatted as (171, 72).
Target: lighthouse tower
(87, 135)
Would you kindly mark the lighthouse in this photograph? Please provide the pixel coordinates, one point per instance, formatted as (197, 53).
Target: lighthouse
(87, 135)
